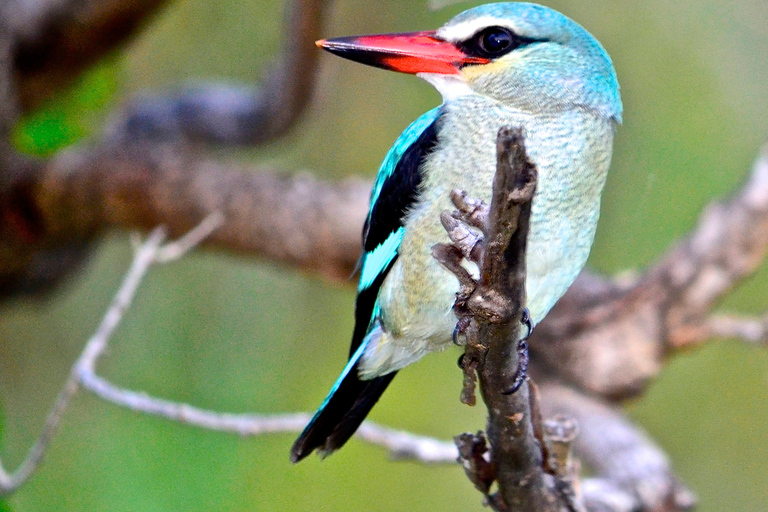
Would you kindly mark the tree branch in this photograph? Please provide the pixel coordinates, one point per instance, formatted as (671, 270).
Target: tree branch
(299, 220)
(225, 114)
(489, 315)
(56, 40)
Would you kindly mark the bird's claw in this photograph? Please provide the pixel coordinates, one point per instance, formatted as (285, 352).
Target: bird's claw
(525, 319)
(461, 326)
(522, 354)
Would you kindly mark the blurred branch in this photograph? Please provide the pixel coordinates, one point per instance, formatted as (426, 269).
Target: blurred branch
(56, 40)
(225, 114)
(748, 329)
(605, 336)
(298, 220)
(41, 241)
(76, 196)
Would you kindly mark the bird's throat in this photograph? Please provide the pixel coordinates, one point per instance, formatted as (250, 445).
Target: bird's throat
(449, 86)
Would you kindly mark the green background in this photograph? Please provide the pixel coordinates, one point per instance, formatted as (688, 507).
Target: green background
(241, 335)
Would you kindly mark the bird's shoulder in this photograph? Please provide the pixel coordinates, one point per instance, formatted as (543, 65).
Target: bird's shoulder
(395, 191)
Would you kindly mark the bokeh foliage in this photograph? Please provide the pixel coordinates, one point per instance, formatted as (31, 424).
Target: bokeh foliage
(242, 335)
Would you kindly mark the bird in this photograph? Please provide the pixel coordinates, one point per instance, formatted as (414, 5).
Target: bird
(502, 64)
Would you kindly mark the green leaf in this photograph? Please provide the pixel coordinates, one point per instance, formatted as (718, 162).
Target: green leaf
(73, 114)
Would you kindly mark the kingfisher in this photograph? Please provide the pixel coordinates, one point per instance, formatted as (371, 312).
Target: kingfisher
(502, 64)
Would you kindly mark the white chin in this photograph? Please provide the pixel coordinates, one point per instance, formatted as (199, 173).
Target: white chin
(449, 86)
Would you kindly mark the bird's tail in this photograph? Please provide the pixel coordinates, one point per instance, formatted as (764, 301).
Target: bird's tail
(344, 409)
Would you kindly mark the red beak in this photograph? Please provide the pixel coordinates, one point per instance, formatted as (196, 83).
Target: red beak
(415, 52)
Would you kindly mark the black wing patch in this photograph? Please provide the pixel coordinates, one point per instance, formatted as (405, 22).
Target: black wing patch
(399, 191)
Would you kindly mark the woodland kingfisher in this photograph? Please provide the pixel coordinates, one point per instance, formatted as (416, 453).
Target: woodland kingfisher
(502, 64)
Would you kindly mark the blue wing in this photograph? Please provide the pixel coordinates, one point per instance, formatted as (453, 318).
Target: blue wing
(394, 192)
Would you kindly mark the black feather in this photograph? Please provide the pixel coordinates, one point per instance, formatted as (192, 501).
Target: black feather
(399, 191)
(349, 404)
(338, 420)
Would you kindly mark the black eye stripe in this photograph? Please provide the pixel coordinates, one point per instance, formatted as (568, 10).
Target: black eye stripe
(493, 42)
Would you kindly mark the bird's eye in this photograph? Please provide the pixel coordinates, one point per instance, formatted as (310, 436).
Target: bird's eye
(494, 42)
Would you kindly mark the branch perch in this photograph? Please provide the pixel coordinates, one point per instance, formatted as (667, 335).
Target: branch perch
(490, 313)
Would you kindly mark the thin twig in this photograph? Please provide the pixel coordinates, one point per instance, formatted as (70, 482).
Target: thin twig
(9, 482)
(177, 249)
(150, 252)
(402, 445)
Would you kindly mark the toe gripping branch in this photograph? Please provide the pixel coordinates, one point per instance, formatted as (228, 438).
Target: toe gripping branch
(522, 354)
(494, 238)
(491, 310)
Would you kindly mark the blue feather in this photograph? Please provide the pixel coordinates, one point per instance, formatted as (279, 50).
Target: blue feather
(377, 260)
(399, 175)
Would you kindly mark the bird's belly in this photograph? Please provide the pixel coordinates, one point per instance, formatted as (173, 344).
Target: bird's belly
(416, 315)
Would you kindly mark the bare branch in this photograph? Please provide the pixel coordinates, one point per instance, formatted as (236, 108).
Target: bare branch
(514, 448)
(144, 258)
(489, 314)
(401, 445)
